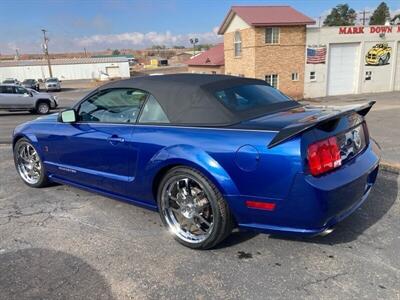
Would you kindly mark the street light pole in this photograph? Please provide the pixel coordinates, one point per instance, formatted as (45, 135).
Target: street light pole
(194, 41)
(46, 51)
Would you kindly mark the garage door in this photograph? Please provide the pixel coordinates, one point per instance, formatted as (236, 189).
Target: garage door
(113, 72)
(343, 68)
(397, 74)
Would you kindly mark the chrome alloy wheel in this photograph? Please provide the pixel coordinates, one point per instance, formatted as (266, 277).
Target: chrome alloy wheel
(28, 163)
(187, 209)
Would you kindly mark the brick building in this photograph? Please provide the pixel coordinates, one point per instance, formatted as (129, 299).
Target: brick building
(267, 42)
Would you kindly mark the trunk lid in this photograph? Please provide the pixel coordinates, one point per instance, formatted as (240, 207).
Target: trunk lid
(295, 121)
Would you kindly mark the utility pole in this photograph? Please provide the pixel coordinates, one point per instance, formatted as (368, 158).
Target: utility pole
(194, 41)
(364, 17)
(46, 50)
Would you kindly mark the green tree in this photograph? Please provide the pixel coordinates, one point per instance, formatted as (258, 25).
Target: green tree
(380, 15)
(158, 47)
(341, 15)
(116, 52)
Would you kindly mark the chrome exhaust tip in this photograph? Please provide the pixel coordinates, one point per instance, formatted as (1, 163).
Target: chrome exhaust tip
(327, 231)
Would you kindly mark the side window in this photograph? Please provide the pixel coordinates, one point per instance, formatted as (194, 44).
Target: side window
(237, 43)
(20, 90)
(153, 112)
(6, 89)
(272, 35)
(112, 106)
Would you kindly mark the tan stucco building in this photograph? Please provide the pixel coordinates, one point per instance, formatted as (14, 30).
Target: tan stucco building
(267, 42)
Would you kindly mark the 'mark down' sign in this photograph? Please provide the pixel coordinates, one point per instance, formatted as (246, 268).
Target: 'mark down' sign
(368, 30)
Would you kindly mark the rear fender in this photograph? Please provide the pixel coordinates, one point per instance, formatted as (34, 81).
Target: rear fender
(195, 158)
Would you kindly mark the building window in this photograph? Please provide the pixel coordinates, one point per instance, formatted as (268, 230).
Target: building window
(368, 75)
(214, 72)
(238, 44)
(313, 77)
(272, 35)
(272, 80)
(295, 76)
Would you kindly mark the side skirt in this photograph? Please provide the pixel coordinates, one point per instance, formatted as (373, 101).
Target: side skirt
(146, 205)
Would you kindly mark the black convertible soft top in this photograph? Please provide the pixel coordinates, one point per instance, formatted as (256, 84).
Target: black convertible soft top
(189, 99)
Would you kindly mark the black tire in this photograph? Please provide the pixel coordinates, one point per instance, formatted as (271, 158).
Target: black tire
(387, 58)
(222, 217)
(43, 178)
(42, 108)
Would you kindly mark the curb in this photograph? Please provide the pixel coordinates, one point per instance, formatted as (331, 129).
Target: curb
(391, 167)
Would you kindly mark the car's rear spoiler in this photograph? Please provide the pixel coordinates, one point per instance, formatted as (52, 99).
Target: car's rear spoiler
(336, 112)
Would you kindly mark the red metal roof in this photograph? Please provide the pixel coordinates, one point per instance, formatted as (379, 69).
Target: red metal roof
(212, 57)
(266, 16)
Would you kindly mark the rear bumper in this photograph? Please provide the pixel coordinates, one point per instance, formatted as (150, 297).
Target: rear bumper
(316, 204)
(53, 88)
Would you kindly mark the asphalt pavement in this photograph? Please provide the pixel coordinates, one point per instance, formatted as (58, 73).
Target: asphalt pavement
(64, 243)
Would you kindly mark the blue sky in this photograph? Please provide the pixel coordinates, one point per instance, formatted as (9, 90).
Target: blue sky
(97, 24)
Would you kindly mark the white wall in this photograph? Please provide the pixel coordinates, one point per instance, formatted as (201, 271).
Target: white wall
(63, 72)
(237, 23)
(383, 77)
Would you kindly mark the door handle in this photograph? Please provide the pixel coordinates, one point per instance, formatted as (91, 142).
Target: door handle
(115, 140)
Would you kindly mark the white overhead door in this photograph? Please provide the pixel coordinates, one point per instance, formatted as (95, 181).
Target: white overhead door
(397, 74)
(343, 68)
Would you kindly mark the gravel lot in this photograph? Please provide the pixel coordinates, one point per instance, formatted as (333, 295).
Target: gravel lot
(63, 243)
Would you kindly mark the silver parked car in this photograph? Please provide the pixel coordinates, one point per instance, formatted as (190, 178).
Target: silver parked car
(52, 84)
(31, 84)
(11, 81)
(15, 97)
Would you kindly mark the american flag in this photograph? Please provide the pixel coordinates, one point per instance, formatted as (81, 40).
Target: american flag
(316, 55)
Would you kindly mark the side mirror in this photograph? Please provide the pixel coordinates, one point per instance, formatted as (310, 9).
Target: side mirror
(27, 94)
(67, 116)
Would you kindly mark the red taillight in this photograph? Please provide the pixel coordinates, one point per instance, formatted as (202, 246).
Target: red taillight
(261, 205)
(323, 156)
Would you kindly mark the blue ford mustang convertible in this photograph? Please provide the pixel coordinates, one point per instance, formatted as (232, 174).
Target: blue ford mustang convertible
(209, 152)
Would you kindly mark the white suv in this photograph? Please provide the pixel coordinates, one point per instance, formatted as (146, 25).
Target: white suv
(52, 84)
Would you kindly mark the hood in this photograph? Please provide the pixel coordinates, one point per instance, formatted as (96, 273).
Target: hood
(43, 95)
(46, 118)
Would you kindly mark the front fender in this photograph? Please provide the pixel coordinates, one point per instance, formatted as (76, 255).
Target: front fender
(195, 158)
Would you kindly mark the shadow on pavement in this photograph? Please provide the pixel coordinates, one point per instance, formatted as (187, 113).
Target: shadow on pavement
(380, 200)
(47, 274)
(236, 237)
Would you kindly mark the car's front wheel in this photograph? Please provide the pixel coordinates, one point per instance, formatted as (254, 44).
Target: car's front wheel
(193, 209)
(29, 164)
(43, 108)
